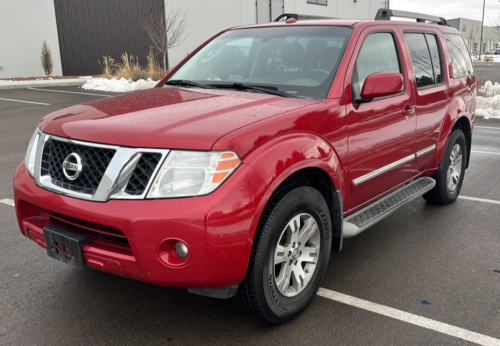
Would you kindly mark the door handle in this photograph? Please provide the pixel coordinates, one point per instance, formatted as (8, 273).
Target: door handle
(409, 111)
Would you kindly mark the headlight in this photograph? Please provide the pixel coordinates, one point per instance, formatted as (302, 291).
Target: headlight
(29, 160)
(192, 173)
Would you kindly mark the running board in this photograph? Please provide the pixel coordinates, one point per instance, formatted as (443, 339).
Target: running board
(381, 208)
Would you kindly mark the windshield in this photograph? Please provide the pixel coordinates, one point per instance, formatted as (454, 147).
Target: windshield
(298, 61)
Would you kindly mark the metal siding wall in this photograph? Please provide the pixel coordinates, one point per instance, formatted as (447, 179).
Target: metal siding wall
(91, 29)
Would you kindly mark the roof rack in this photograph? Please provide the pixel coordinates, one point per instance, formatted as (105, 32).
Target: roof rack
(386, 14)
(298, 17)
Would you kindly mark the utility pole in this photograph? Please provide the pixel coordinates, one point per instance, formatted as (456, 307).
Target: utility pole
(481, 39)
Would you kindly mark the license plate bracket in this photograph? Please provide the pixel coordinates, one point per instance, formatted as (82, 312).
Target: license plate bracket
(65, 246)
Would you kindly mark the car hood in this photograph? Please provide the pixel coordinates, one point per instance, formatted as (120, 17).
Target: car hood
(173, 118)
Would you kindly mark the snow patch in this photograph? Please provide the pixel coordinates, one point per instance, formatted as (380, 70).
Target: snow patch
(488, 106)
(118, 85)
(495, 58)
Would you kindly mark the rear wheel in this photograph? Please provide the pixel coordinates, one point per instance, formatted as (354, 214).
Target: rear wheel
(289, 257)
(451, 170)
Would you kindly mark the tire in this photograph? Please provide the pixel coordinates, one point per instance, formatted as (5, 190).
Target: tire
(448, 177)
(293, 233)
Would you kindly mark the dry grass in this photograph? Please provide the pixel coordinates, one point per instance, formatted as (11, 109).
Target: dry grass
(108, 66)
(124, 69)
(153, 69)
(129, 68)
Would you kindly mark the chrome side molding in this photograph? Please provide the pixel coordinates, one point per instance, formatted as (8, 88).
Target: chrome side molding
(383, 170)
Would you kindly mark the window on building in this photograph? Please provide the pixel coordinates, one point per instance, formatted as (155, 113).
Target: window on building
(378, 54)
(318, 2)
(464, 28)
(460, 58)
(477, 29)
(426, 58)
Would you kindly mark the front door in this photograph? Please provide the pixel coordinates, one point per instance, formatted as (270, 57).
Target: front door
(381, 132)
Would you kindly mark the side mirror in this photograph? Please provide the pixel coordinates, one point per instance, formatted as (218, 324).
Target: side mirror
(380, 84)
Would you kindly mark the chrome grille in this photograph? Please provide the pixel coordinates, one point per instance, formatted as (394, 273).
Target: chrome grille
(142, 173)
(101, 172)
(95, 162)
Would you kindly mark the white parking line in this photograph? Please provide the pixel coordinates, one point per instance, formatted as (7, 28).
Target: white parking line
(484, 152)
(70, 92)
(7, 201)
(487, 127)
(407, 317)
(35, 103)
(480, 199)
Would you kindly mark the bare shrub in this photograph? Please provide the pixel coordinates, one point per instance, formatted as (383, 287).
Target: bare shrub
(138, 73)
(165, 30)
(480, 81)
(46, 57)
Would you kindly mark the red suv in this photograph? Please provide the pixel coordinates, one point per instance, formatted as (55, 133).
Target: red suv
(243, 169)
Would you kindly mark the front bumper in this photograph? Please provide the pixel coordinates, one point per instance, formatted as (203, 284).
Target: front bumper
(132, 237)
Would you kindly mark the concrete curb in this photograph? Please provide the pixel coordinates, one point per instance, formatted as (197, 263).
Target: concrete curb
(41, 83)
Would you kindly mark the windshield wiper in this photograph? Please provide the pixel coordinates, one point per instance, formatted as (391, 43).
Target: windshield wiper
(183, 82)
(268, 90)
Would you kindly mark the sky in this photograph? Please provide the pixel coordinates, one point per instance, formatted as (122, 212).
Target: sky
(451, 9)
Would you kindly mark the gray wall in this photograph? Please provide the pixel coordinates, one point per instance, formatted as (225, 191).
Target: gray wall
(91, 29)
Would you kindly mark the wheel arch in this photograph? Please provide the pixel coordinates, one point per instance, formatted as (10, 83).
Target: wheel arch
(457, 117)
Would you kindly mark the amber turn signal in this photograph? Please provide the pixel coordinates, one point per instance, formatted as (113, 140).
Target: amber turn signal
(227, 163)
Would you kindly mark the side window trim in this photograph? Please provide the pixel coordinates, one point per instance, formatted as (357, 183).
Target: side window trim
(358, 101)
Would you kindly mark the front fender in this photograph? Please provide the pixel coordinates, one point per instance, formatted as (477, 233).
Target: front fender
(280, 157)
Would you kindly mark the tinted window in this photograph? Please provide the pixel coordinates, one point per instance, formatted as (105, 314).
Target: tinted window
(435, 57)
(420, 56)
(378, 54)
(460, 58)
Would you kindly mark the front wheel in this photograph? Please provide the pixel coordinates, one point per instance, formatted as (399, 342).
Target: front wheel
(289, 257)
(451, 170)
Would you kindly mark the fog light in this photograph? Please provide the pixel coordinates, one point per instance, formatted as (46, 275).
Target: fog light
(181, 249)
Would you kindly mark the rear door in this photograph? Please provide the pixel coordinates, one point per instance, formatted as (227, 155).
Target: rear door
(381, 133)
(432, 94)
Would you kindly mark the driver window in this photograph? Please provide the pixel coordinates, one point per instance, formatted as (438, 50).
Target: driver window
(378, 54)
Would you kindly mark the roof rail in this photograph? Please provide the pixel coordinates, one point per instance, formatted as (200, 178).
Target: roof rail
(386, 14)
(298, 17)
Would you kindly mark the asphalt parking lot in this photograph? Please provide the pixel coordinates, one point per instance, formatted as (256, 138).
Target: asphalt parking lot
(426, 275)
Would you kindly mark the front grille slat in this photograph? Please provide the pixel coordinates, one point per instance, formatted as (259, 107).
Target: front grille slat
(142, 173)
(95, 161)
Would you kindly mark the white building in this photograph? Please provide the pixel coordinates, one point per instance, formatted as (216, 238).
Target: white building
(471, 32)
(207, 18)
(77, 43)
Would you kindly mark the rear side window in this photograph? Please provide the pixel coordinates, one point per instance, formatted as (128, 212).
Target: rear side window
(432, 41)
(460, 58)
(378, 54)
(426, 59)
